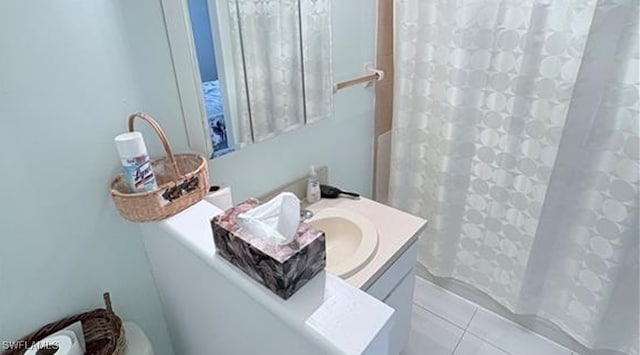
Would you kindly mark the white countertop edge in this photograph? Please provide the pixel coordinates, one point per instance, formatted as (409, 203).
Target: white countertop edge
(317, 309)
(394, 258)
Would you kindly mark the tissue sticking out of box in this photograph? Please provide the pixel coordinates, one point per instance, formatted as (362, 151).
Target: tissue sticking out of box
(283, 269)
(276, 220)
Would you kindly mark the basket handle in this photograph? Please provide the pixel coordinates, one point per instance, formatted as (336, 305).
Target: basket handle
(163, 138)
(107, 301)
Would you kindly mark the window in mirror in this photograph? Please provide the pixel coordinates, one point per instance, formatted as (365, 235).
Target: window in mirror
(212, 94)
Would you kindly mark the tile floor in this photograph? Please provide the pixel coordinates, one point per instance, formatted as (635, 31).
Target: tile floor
(445, 324)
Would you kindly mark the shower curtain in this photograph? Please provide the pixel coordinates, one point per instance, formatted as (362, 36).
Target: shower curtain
(515, 132)
(283, 65)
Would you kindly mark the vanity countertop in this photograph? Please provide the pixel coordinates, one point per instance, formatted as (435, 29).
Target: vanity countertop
(397, 231)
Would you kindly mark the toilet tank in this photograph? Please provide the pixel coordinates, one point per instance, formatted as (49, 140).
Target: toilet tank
(137, 341)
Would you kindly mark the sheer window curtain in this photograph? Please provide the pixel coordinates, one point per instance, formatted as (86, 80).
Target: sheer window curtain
(283, 65)
(516, 134)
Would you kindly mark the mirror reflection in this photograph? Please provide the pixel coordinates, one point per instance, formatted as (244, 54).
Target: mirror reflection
(264, 67)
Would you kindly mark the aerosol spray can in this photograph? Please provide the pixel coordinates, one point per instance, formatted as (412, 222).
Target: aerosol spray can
(136, 162)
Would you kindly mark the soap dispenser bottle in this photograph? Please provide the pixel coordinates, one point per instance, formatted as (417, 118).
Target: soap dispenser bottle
(313, 186)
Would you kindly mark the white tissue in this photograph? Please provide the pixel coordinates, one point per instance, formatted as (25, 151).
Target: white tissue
(276, 220)
(221, 198)
(76, 331)
(70, 341)
(63, 343)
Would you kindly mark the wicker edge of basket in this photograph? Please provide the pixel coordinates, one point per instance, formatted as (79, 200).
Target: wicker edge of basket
(166, 185)
(149, 206)
(146, 207)
(111, 330)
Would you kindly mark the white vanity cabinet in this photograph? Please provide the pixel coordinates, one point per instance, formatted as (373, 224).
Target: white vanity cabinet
(389, 275)
(395, 288)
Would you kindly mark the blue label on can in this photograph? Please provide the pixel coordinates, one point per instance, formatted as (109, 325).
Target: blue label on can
(139, 174)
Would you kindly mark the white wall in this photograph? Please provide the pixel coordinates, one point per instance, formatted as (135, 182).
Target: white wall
(67, 83)
(70, 73)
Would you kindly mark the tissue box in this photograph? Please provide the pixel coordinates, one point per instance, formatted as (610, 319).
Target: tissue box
(283, 269)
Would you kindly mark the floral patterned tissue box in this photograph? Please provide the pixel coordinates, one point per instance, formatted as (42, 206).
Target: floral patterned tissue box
(283, 269)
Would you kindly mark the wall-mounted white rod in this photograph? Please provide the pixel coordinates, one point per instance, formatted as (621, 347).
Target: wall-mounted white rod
(375, 75)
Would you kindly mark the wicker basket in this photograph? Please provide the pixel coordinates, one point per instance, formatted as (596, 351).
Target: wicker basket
(103, 332)
(183, 180)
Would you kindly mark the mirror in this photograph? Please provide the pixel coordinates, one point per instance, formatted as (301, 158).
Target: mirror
(249, 70)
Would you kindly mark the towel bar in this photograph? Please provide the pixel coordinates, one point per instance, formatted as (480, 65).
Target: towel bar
(374, 75)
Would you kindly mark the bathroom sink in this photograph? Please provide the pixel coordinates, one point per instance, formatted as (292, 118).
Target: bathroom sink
(351, 240)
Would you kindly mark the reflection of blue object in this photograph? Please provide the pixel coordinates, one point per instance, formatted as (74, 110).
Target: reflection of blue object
(215, 114)
(201, 26)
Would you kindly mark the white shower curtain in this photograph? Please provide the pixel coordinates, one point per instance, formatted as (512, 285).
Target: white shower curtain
(283, 65)
(516, 134)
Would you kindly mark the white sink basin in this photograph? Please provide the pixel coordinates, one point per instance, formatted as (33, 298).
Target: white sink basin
(352, 240)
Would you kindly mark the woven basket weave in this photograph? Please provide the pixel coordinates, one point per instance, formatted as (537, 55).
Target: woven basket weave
(103, 332)
(183, 180)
